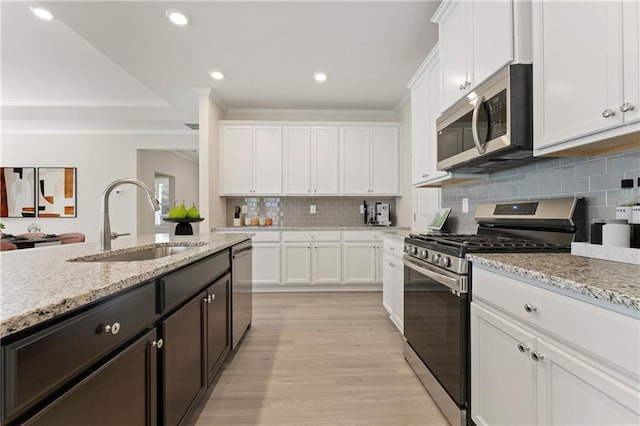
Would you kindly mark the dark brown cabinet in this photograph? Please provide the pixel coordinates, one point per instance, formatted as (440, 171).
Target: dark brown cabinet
(121, 392)
(182, 360)
(217, 324)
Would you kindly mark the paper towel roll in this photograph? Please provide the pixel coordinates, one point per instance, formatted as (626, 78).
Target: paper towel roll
(615, 234)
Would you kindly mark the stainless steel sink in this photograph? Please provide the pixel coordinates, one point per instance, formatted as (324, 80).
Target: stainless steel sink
(147, 253)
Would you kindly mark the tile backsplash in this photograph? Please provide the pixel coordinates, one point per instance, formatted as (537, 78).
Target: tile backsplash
(294, 211)
(597, 179)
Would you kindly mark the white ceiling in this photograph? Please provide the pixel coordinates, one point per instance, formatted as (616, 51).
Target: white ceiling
(123, 62)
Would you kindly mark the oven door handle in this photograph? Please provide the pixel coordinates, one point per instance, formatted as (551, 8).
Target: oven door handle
(457, 284)
(474, 125)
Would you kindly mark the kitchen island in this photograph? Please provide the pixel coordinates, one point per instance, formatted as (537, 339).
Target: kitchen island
(147, 335)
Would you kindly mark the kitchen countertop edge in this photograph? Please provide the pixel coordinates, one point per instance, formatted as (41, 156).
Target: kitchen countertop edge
(600, 280)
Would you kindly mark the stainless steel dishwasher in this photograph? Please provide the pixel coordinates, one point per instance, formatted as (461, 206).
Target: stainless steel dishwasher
(241, 291)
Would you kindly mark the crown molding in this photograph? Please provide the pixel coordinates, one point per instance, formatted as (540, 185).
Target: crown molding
(307, 114)
(417, 76)
(402, 103)
(207, 91)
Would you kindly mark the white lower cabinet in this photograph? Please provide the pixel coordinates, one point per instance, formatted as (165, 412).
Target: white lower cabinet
(266, 263)
(362, 263)
(326, 263)
(503, 377)
(296, 263)
(393, 288)
(311, 257)
(528, 368)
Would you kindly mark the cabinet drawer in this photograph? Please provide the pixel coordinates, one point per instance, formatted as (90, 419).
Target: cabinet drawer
(393, 247)
(121, 392)
(36, 365)
(362, 236)
(311, 236)
(266, 237)
(184, 283)
(598, 330)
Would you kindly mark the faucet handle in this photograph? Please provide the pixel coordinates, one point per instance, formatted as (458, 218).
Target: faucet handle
(115, 235)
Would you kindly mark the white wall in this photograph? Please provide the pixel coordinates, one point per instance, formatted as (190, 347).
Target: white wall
(100, 159)
(185, 172)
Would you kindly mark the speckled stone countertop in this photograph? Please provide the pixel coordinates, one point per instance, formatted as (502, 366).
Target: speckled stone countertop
(399, 235)
(612, 282)
(310, 228)
(40, 283)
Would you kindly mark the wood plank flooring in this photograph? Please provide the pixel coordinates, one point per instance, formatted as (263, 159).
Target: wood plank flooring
(320, 359)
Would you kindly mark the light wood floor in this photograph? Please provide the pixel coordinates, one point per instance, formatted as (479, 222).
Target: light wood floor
(320, 359)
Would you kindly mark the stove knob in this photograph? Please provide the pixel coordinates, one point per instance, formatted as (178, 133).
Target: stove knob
(424, 254)
(406, 248)
(414, 250)
(445, 261)
(435, 258)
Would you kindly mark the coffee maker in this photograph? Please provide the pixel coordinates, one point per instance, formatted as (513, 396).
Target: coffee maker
(377, 214)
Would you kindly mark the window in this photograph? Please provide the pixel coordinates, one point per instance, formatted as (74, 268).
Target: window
(164, 196)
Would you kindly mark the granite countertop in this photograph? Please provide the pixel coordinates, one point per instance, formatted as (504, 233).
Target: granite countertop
(40, 283)
(604, 280)
(310, 228)
(399, 234)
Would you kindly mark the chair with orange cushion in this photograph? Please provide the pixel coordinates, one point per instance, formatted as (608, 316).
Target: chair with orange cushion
(71, 237)
(6, 246)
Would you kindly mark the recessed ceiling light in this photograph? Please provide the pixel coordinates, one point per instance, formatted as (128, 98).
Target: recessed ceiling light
(216, 75)
(320, 76)
(41, 13)
(177, 17)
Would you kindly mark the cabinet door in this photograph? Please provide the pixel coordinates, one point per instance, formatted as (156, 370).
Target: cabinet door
(218, 342)
(122, 392)
(384, 160)
(325, 166)
(267, 159)
(355, 161)
(378, 250)
(326, 263)
(455, 52)
(420, 125)
(266, 263)
(631, 55)
(297, 151)
(398, 294)
(492, 38)
(236, 160)
(388, 301)
(426, 202)
(296, 263)
(577, 73)
(183, 360)
(359, 263)
(503, 376)
(570, 391)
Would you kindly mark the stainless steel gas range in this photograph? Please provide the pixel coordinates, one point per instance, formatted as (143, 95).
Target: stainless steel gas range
(437, 287)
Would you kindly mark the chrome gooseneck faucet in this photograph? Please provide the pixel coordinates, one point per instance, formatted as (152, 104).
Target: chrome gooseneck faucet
(105, 237)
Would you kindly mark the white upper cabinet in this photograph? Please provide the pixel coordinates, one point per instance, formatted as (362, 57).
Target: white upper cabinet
(454, 38)
(251, 160)
(369, 160)
(476, 39)
(384, 160)
(297, 154)
(267, 160)
(237, 154)
(311, 160)
(585, 80)
(355, 162)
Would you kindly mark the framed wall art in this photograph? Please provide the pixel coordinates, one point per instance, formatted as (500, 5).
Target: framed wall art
(17, 192)
(57, 192)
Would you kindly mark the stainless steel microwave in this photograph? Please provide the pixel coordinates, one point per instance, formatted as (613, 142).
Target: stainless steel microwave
(491, 128)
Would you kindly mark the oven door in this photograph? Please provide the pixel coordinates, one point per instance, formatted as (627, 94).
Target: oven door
(436, 324)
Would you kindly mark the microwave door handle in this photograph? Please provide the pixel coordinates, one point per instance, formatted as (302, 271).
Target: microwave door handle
(474, 125)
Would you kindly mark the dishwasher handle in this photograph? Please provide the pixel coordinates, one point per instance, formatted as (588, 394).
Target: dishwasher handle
(241, 252)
